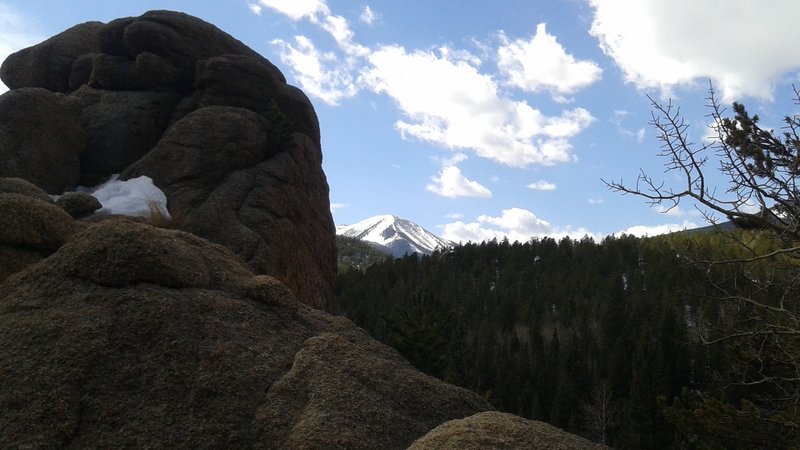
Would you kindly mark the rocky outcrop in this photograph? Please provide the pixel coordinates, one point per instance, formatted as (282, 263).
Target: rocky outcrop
(32, 226)
(500, 431)
(134, 336)
(169, 96)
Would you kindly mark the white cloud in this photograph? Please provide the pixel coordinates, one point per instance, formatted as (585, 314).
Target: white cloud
(255, 8)
(368, 16)
(298, 9)
(674, 211)
(338, 27)
(15, 34)
(596, 201)
(743, 46)
(453, 160)
(447, 101)
(516, 224)
(454, 216)
(318, 13)
(469, 232)
(644, 230)
(452, 184)
(541, 63)
(542, 185)
(319, 74)
(519, 220)
(337, 206)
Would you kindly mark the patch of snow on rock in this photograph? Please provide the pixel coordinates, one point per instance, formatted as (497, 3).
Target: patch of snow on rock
(134, 197)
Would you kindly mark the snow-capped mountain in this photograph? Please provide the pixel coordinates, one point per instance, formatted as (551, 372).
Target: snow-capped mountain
(400, 236)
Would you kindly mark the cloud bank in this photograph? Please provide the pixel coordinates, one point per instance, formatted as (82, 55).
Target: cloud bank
(743, 46)
(514, 224)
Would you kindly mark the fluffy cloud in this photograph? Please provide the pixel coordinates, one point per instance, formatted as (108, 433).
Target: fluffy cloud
(14, 34)
(329, 75)
(661, 44)
(449, 102)
(255, 8)
(297, 9)
(444, 97)
(452, 184)
(469, 232)
(541, 63)
(519, 220)
(318, 13)
(368, 16)
(542, 185)
(319, 74)
(516, 224)
(674, 211)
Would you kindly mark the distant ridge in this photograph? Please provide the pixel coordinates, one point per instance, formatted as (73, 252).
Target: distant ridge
(399, 236)
(722, 226)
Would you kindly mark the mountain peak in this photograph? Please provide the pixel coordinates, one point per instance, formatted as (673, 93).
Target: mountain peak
(400, 235)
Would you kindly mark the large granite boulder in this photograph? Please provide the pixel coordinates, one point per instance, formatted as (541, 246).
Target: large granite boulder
(166, 95)
(494, 430)
(131, 336)
(32, 226)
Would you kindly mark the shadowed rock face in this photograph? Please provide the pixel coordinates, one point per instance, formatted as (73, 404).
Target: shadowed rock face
(130, 336)
(169, 96)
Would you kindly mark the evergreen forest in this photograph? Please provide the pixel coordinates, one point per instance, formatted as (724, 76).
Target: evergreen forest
(611, 340)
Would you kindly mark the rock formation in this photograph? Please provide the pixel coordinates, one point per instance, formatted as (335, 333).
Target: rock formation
(493, 430)
(139, 337)
(166, 95)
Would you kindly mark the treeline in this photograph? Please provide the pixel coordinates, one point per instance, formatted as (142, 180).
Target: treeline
(596, 338)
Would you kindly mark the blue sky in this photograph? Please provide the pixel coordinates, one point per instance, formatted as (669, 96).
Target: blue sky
(480, 119)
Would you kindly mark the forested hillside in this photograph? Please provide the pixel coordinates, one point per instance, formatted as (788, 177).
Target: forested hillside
(584, 335)
(354, 253)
